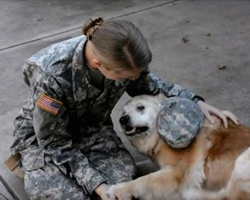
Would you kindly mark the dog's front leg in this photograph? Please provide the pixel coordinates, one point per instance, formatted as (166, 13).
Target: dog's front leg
(159, 185)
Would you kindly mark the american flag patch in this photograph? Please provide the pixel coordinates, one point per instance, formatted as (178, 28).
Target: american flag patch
(49, 104)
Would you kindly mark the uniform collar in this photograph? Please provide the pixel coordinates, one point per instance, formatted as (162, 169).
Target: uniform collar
(80, 75)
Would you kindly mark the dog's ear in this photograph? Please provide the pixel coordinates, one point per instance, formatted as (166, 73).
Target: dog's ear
(161, 97)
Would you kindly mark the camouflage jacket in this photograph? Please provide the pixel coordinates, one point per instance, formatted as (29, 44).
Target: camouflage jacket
(81, 111)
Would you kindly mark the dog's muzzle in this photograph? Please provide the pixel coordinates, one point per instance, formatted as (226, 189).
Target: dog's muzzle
(126, 123)
(129, 129)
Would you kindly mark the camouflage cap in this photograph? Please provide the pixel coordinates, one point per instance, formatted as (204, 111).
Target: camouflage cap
(179, 121)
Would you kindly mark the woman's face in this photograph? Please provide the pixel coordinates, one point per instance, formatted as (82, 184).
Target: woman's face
(94, 61)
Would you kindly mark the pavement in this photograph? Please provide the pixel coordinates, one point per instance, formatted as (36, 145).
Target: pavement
(202, 45)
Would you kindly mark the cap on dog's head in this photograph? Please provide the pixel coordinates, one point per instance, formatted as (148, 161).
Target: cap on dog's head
(177, 120)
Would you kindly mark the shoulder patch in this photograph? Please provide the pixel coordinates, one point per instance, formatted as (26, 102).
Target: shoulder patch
(49, 104)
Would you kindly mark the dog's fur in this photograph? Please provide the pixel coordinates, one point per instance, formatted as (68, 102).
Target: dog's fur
(216, 166)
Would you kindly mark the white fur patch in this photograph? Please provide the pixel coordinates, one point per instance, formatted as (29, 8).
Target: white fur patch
(241, 171)
(196, 176)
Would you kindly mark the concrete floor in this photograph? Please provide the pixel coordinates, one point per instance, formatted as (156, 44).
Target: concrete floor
(4, 193)
(217, 34)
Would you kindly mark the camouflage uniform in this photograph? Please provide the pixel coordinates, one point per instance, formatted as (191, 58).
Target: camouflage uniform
(68, 154)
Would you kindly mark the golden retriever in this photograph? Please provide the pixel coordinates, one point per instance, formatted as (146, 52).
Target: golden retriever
(215, 166)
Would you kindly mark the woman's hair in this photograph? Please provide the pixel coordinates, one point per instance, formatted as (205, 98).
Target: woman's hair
(119, 44)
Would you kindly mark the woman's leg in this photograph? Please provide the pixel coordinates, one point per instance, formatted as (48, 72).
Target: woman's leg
(51, 183)
(109, 156)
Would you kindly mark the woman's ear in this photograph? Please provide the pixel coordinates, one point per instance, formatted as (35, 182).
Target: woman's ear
(95, 63)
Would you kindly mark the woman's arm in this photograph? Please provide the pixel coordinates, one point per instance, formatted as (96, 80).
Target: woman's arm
(50, 122)
(148, 83)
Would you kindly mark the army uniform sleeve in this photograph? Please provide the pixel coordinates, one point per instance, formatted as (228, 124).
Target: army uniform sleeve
(150, 84)
(50, 121)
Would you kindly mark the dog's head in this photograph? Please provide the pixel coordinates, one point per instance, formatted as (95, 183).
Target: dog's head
(176, 120)
(139, 115)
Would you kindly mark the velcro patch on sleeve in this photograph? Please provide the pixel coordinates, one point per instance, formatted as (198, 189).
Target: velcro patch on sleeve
(49, 104)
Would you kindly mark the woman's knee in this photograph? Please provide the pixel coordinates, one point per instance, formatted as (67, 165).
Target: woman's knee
(33, 186)
(41, 185)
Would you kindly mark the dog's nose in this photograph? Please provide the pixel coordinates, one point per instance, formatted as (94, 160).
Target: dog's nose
(124, 120)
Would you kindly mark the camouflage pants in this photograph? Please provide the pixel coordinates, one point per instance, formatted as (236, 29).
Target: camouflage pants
(106, 156)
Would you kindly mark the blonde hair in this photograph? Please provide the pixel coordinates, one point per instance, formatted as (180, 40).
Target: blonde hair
(119, 44)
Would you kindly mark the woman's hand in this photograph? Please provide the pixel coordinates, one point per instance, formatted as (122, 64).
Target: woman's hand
(222, 114)
(102, 190)
(121, 195)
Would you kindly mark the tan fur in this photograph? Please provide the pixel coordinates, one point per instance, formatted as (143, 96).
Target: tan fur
(206, 170)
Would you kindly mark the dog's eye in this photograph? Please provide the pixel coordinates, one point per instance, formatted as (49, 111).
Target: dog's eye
(140, 107)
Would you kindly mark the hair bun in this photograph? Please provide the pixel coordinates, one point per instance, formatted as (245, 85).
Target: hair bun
(91, 25)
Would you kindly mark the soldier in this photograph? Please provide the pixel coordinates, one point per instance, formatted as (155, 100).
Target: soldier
(64, 132)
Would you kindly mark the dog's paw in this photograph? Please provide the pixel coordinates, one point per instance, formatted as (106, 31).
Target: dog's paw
(111, 191)
(191, 194)
(119, 189)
